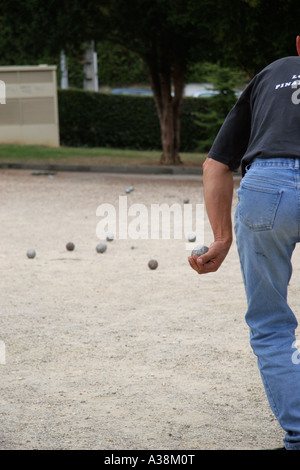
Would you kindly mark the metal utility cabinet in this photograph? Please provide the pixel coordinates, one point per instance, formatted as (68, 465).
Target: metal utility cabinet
(29, 112)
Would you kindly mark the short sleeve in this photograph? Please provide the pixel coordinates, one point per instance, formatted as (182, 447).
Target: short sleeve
(232, 139)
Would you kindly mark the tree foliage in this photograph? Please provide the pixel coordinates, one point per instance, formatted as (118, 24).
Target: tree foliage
(247, 33)
(164, 33)
(253, 33)
(167, 34)
(118, 66)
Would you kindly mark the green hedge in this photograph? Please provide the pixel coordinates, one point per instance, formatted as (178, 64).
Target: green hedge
(119, 121)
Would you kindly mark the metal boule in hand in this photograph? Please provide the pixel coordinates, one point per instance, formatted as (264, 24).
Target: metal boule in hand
(199, 250)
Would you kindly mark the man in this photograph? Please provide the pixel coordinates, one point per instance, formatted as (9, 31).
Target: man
(262, 134)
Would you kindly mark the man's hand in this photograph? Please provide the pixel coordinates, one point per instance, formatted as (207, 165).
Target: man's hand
(218, 189)
(212, 259)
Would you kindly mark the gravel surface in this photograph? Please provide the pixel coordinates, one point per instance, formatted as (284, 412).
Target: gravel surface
(102, 352)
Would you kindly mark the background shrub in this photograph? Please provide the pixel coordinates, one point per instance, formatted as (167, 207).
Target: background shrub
(103, 120)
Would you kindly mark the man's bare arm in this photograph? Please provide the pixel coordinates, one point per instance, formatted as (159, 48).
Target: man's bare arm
(218, 190)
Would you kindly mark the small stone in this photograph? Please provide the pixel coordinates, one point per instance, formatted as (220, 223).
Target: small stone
(101, 247)
(199, 250)
(31, 253)
(186, 200)
(153, 264)
(70, 246)
(110, 236)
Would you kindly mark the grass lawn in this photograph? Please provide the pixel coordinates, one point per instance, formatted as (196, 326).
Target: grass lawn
(88, 156)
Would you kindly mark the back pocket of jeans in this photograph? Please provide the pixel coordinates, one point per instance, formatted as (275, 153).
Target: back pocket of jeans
(257, 206)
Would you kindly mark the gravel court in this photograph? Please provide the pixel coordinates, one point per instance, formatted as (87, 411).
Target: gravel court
(102, 352)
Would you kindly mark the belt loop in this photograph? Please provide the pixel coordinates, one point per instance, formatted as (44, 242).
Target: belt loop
(296, 163)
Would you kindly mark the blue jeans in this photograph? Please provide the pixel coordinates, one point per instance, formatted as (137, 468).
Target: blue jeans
(267, 227)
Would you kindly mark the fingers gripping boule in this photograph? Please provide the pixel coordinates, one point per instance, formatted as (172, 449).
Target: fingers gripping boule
(211, 259)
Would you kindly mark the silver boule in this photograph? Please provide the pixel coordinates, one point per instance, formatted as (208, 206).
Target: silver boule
(199, 250)
(101, 247)
(191, 237)
(129, 189)
(110, 236)
(31, 253)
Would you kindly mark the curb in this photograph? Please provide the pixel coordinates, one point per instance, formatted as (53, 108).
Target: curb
(146, 170)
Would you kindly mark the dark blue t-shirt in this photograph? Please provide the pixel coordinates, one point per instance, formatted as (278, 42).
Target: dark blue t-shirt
(265, 122)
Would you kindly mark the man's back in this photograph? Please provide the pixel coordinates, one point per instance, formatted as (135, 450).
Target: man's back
(265, 122)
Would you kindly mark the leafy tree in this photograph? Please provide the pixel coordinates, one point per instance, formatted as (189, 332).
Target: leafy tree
(164, 33)
(253, 33)
(119, 66)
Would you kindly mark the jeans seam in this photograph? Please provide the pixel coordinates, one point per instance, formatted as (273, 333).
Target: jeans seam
(260, 188)
(260, 180)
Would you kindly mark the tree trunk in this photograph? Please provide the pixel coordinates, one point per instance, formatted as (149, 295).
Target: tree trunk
(170, 133)
(168, 105)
